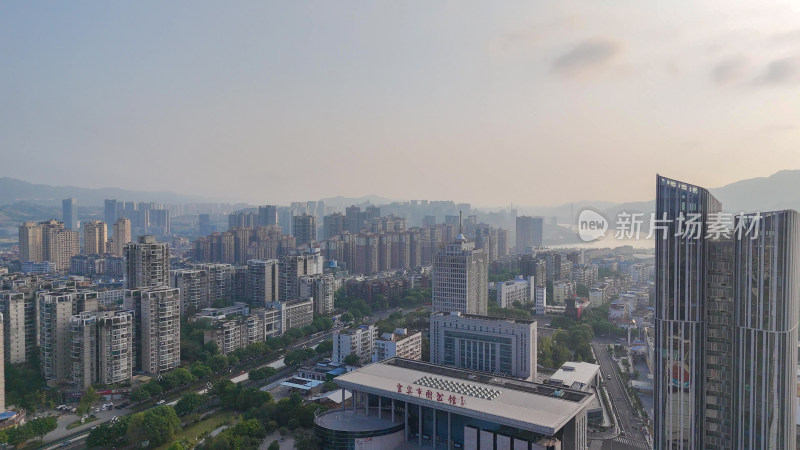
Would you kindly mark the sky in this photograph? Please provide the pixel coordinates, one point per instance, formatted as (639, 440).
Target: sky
(531, 103)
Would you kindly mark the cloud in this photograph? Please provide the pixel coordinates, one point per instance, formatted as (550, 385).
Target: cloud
(587, 56)
(780, 71)
(729, 71)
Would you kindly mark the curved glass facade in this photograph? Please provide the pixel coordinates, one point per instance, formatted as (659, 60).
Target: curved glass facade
(345, 440)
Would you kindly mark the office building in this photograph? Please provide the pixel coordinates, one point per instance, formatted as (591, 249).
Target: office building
(94, 237)
(399, 344)
(725, 357)
(122, 236)
(110, 213)
(488, 344)
(399, 400)
(304, 229)
(320, 288)
(147, 263)
(358, 340)
(69, 213)
(460, 278)
(530, 232)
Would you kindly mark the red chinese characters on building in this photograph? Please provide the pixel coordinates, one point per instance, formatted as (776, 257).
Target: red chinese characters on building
(452, 399)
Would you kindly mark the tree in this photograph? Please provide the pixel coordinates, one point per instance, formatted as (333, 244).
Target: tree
(40, 427)
(109, 435)
(189, 403)
(325, 347)
(274, 445)
(157, 425)
(305, 440)
(200, 370)
(87, 400)
(217, 362)
(352, 359)
(347, 317)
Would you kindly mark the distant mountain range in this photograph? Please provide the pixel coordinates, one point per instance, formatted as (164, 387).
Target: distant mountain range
(778, 191)
(13, 191)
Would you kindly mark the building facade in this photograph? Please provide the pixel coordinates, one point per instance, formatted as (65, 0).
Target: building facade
(460, 278)
(358, 340)
(94, 237)
(147, 263)
(488, 344)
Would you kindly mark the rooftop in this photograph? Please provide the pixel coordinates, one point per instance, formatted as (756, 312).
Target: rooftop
(476, 316)
(538, 407)
(575, 375)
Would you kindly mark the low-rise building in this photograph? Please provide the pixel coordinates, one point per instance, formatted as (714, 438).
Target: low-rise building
(519, 290)
(358, 340)
(488, 344)
(233, 334)
(400, 344)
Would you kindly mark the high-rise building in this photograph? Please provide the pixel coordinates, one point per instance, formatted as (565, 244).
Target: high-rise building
(13, 308)
(488, 344)
(69, 213)
(30, 242)
(122, 236)
(461, 278)
(725, 324)
(148, 263)
(203, 225)
(529, 233)
(110, 213)
(220, 282)
(293, 267)
(319, 287)
(157, 328)
(2, 372)
(51, 242)
(94, 237)
(55, 311)
(305, 229)
(334, 225)
(263, 281)
(193, 287)
(267, 215)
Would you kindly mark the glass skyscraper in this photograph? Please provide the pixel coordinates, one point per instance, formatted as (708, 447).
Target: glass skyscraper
(726, 325)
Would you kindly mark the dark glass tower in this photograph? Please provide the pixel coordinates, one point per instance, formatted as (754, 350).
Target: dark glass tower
(725, 325)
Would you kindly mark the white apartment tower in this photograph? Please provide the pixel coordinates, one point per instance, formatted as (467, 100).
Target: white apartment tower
(161, 329)
(460, 278)
(359, 340)
(147, 263)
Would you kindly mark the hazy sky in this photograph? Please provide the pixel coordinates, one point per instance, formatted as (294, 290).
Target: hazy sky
(535, 103)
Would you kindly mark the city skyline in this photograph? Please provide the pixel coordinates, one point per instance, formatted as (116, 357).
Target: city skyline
(249, 97)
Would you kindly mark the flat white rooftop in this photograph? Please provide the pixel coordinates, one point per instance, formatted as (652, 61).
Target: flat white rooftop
(521, 404)
(575, 375)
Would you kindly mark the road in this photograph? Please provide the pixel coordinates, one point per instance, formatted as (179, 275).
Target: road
(629, 423)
